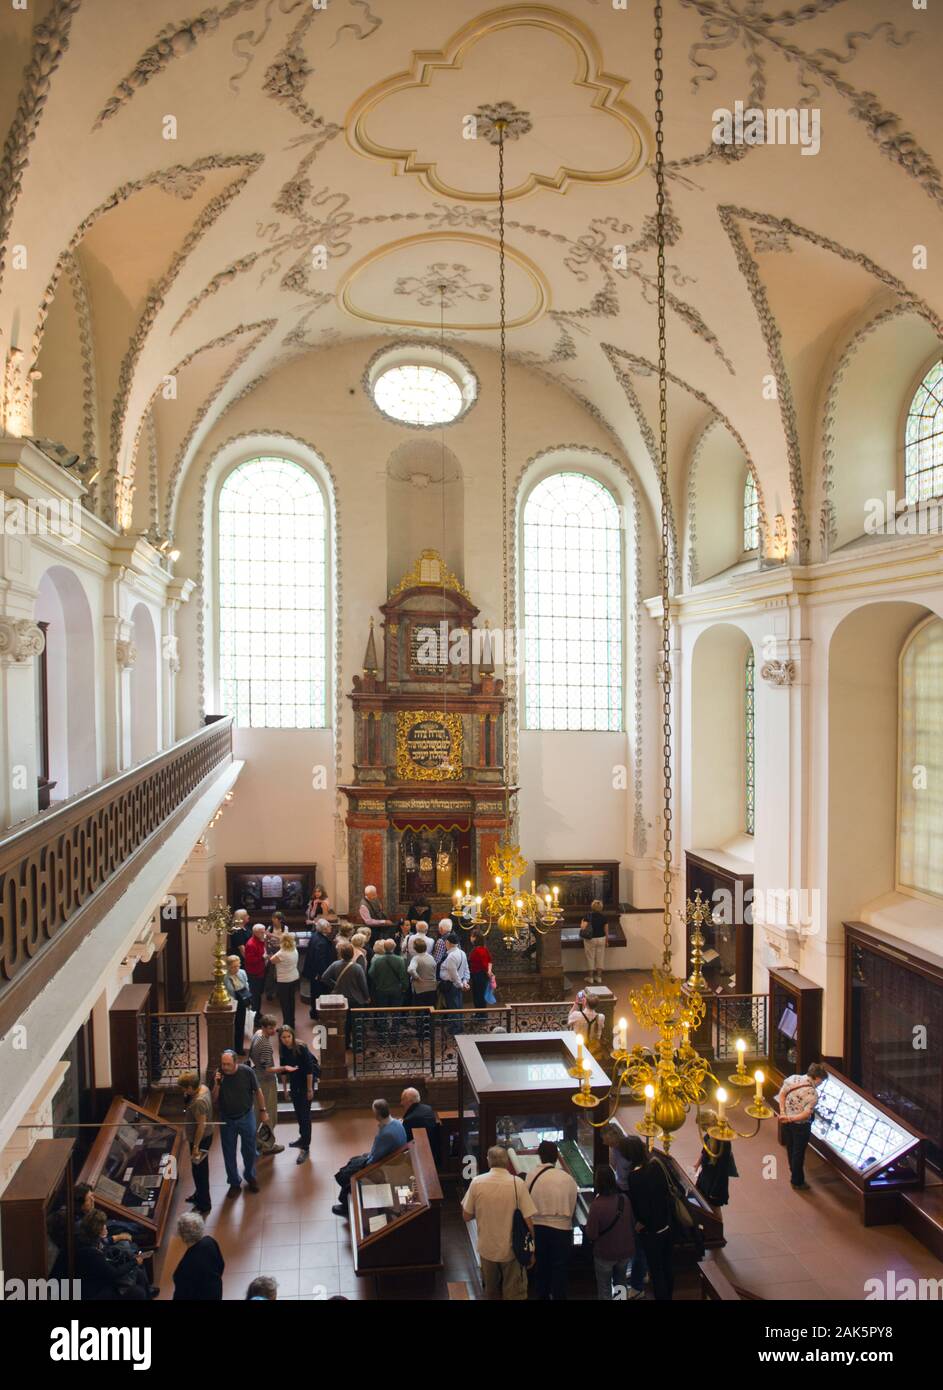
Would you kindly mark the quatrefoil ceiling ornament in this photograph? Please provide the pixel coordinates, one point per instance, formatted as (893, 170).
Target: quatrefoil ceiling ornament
(537, 68)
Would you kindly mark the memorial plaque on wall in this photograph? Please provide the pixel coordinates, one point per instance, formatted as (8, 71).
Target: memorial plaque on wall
(428, 745)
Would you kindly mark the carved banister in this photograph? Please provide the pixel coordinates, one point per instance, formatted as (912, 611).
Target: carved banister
(53, 865)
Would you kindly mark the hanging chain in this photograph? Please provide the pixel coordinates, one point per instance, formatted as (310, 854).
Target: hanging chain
(500, 125)
(663, 479)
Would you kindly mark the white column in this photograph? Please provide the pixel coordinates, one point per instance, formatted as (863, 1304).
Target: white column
(21, 641)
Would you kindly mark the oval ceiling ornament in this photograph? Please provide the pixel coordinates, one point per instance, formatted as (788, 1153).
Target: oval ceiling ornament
(477, 69)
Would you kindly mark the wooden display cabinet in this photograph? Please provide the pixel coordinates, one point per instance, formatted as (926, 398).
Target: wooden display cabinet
(266, 888)
(395, 1213)
(727, 956)
(41, 1185)
(129, 1027)
(582, 882)
(132, 1168)
(175, 924)
(795, 1023)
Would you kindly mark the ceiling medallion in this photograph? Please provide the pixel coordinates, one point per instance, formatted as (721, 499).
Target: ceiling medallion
(571, 69)
(515, 123)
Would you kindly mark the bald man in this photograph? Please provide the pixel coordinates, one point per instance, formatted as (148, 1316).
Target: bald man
(416, 1114)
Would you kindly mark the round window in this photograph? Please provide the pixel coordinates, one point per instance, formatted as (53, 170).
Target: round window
(415, 385)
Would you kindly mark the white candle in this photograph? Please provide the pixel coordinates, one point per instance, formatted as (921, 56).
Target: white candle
(759, 1079)
(649, 1098)
(721, 1103)
(623, 1034)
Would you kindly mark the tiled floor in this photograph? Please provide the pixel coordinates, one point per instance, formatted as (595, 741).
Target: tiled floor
(781, 1244)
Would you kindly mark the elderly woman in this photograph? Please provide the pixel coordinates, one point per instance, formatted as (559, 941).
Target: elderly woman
(198, 1277)
(237, 987)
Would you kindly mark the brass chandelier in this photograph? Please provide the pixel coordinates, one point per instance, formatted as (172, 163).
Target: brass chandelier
(670, 1075)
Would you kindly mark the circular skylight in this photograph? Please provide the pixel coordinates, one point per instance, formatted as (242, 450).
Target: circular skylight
(418, 395)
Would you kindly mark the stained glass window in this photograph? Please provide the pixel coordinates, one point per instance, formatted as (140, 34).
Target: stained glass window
(273, 596)
(751, 514)
(920, 844)
(923, 439)
(418, 395)
(749, 726)
(572, 590)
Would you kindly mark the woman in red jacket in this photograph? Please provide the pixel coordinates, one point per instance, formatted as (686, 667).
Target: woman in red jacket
(479, 964)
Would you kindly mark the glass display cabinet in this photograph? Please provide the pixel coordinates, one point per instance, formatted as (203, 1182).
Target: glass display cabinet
(35, 1246)
(727, 885)
(515, 1089)
(875, 1152)
(395, 1224)
(795, 1023)
(132, 1168)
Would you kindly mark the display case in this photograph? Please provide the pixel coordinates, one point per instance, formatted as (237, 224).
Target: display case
(580, 884)
(132, 1168)
(516, 1090)
(266, 888)
(129, 1030)
(795, 1023)
(34, 1246)
(726, 884)
(874, 1151)
(395, 1224)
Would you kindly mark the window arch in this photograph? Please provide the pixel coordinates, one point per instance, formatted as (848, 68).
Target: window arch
(923, 439)
(272, 596)
(572, 608)
(749, 734)
(920, 775)
(751, 514)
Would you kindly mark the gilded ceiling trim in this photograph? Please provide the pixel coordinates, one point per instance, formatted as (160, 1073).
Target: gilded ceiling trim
(533, 272)
(50, 42)
(606, 87)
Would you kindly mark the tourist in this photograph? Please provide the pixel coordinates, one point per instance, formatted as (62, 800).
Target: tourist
(651, 1206)
(127, 1233)
(609, 1227)
(418, 932)
(491, 1200)
(198, 1277)
(422, 973)
(454, 974)
(715, 1164)
(237, 987)
(295, 1061)
(262, 1061)
(797, 1099)
(347, 977)
(417, 1114)
(389, 983)
(479, 968)
(615, 1140)
(362, 946)
(441, 946)
(554, 1195)
(255, 965)
(240, 933)
(319, 955)
(273, 941)
(593, 934)
(420, 910)
(234, 1093)
(319, 906)
(372, 912)
(285, 961)
(198, 1131)
(589, 1023)
(108, 1272)
(263, 1289)
(390, 1136)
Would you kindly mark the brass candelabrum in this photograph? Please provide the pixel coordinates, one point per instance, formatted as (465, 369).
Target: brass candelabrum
(508, 908)
(219, 921)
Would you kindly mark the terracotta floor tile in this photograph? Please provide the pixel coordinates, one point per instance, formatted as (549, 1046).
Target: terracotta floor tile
(278, 1257)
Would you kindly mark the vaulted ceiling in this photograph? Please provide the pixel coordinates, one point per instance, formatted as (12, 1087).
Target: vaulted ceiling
(190, 199)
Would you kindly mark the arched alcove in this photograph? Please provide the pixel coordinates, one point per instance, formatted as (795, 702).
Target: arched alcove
(715, 520)
(145, 737)
(863, 704)
(425, 504)
(69, 663)
(719, 738)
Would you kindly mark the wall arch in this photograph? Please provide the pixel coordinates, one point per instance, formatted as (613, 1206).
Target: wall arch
(716, 475)
(70, 665)
(718, 745)
(424, 484)
(145, 698)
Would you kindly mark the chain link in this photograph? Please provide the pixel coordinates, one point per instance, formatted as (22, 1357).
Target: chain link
(663, 479)
(506, 587)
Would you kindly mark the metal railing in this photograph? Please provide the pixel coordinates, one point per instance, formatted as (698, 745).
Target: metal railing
(733, 1016)
(411, 1042)
(174, 1047)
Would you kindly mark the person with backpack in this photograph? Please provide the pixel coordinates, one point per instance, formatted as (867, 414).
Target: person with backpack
(554, 1194)
(653, 1207)
(610, 1229)
(503, 1212)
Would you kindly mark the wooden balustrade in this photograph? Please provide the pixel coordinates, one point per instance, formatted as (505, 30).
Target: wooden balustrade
(54, 867)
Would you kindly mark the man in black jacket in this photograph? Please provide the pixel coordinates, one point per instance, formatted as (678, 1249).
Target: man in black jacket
(418, 1115)
(319, 955)
(651, 1205)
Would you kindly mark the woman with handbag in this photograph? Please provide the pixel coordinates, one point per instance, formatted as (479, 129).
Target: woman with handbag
(480, 968)
(237, 987)
(610, 1228)
(653, 1206)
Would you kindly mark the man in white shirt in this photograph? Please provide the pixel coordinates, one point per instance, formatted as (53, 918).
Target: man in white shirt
(410, 939)
(490, 1202)
(797, 1099)
(455, 975)
(554, 1194)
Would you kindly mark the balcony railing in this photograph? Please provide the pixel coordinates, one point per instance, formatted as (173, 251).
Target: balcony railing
(52, 867)
(411, 1042)
(733, 1016)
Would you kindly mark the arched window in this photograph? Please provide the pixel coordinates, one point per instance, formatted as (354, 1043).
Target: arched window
(919, 842)
(273, 596)
(751, 514)
(749, 733)
(923, 439)
(572, 583)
